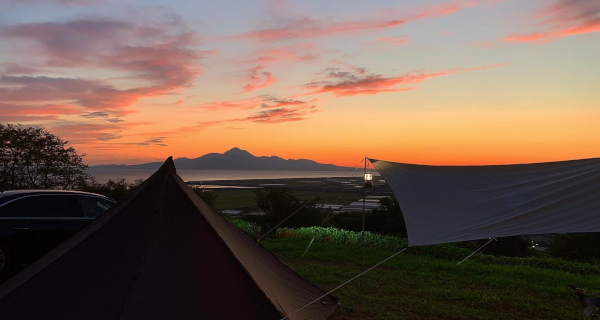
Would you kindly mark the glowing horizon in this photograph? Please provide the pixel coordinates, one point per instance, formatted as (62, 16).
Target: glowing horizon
(435, 82)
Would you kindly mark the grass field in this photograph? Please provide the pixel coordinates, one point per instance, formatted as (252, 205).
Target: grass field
(414, 286)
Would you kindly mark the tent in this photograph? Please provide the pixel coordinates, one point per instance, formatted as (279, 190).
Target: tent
(443, 204)
(161, 253)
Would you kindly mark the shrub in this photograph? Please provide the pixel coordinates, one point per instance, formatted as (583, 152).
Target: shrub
(250, 228)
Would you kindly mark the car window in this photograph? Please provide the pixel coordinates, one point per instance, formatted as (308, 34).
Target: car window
(43, 206)
(93, 206)
(9, 210)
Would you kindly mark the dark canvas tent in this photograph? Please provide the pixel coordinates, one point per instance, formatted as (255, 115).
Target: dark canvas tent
(161, 253)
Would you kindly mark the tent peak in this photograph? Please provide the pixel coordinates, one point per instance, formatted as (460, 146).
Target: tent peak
(168, 165)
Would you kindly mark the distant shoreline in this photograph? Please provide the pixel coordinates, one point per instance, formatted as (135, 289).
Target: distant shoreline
(129, 174)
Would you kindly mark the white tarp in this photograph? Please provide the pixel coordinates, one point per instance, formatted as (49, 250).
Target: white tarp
(444, 204)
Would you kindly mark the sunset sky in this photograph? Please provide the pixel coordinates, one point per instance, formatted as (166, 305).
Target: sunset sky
(432, 81)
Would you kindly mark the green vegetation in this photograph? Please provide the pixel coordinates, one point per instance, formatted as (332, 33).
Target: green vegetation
(250, 228)
(446, 251)
(415, 285)
(234, 198)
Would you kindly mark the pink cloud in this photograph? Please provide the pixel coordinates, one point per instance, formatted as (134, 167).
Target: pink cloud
(395, 41)
(309, 28)
(264, 101)
(272, 110)
(562, 18)
(389, 18)
(38, 110)
(357, 81)
(431, 11)
(239, 104)
(12, 68)
(157, 58)
(259, 79)
(292, 53)
(8, 118)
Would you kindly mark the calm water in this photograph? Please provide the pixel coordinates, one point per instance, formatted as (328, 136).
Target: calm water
(212, 175)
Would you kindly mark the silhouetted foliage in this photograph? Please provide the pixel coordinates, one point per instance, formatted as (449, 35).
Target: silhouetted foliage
(33, 158)
(209, 197)
(345, 220)
(279, 203)
(516, 246)
(582, 247)
(115, 189)
(386, 219)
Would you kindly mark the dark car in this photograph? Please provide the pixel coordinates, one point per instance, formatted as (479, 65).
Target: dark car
(32, 222)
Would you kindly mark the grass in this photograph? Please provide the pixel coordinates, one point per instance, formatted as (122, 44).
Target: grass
(417, 286)
(446, 251)
(234, 198)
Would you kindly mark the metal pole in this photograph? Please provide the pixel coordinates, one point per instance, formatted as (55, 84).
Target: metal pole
(362, 233)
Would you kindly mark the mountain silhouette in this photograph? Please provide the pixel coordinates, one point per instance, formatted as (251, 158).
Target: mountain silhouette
(236, 159)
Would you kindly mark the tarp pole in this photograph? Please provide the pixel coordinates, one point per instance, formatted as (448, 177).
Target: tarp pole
(362, 233)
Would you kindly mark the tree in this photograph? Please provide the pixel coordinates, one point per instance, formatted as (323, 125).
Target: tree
(33, 158)
(387, 218)
(581, 247)
(279, 203)
(209, 197)
(115, 189)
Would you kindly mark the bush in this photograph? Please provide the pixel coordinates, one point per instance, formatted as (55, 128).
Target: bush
(250, 228)
(115, 189)
(387, 219)
(279, 203)
(207, 196)
(582, 247)
(507, 246)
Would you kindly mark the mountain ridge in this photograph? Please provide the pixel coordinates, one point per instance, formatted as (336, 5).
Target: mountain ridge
(234, 159)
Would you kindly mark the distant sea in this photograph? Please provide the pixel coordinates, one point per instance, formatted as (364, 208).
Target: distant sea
(102, 174)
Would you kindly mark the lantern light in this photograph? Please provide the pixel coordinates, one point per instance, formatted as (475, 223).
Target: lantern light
(368, 180)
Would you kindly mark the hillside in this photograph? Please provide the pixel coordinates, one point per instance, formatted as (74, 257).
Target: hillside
(414, 285)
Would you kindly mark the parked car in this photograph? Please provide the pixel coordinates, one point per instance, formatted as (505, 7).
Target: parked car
(32, 222)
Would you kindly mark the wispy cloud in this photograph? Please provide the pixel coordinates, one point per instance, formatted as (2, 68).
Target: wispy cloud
(63, 2)
(292, 53)
(562, 18)
(109, 136)
(302, 27)
(158, 58)
(96, 114)
(263, 101)
(258, 79)
(152, 142)
(271, 109)
(395, 41)
(306, 28)
(11, 68)
(357, 81)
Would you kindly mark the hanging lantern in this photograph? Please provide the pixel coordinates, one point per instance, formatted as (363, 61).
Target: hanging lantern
(368, 180)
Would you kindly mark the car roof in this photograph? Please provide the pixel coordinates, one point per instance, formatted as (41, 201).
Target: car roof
(16, 193)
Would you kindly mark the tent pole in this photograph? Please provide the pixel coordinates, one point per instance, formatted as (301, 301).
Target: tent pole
(362, 233)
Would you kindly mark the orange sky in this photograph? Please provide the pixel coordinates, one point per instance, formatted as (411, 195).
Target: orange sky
(438, 82)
